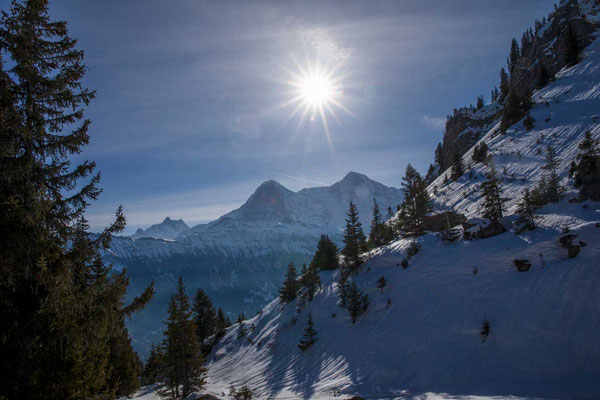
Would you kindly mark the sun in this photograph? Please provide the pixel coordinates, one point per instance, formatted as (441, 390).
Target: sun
(316, 90)
(317, 93)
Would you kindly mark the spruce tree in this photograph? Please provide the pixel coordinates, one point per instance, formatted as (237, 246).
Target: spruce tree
(62, 333)
(493, 204)
(389, 214)
(376, 234)
(354, 241)
(458, 167)
(431, 174)
(309, 337)
(381, 282)
(311, 281)
(204, 315)
(222, 323)
(526, 211)
(416, 204)
(589, 148)
(241, 318)
(290, 286)
(543, 77)
(504, 85)
(183, 360)
(439, 156)
(553, 189)
(480, 102)
(326, 256)
(512, 111)
(153, 367)
(354, 301)
(515, 53)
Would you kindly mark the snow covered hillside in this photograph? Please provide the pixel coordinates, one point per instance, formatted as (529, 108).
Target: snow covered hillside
(564, 110)
(240, 258)
(544, 338)
(423, 333)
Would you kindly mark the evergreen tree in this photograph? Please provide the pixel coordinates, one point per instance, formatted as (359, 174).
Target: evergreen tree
(526, 211)
(553, 189)
(480, 152)
(512, 111)
(377, 227)
(354, 241)
(416, 204)
(480, 102)
(573, 49)
(326, 256)
(589, 149)
(153, 367)
(504, 85)
(389, 214)
(204, 315)
(354, 301)
(222, 323)
(62, 334)
(241, 318)
(431, 174)
(290, 285)
(381, 282)
(458, 168)
(493, 204)
(311, 281)
(439, 156)
(183, 360)
(309, 337)
(515, 53)
(543, 77)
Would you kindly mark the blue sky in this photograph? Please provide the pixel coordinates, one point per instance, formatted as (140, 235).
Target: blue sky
(189, 116)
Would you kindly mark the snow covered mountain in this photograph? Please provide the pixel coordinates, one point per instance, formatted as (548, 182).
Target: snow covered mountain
(240, 258)
(422, 333)
(168, 229)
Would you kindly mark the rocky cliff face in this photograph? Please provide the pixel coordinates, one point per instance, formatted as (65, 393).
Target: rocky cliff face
(464, 128)
(544, 47)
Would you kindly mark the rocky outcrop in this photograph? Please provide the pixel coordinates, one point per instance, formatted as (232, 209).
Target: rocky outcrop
(545, 49)
(464, 128)
(522, 265)
(443, 221)
(480, 228)
(567, 242)
(549, 45)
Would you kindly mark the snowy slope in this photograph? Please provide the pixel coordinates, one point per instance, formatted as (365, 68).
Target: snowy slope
(545, 322)
(563, 112)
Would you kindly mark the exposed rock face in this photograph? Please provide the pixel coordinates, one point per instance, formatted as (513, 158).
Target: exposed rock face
(548, 49)
(443, 221)
(567, 243)
(549, 45)
(464, 128)
(479, 228)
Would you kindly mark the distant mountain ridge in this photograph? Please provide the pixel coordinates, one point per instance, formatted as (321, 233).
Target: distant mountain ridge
(239, 259)
(168, 229)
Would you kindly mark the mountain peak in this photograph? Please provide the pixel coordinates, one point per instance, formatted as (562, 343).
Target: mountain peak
(355, 177)
(271, 185)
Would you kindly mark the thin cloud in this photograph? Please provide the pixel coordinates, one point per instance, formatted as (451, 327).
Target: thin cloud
(434, 123)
